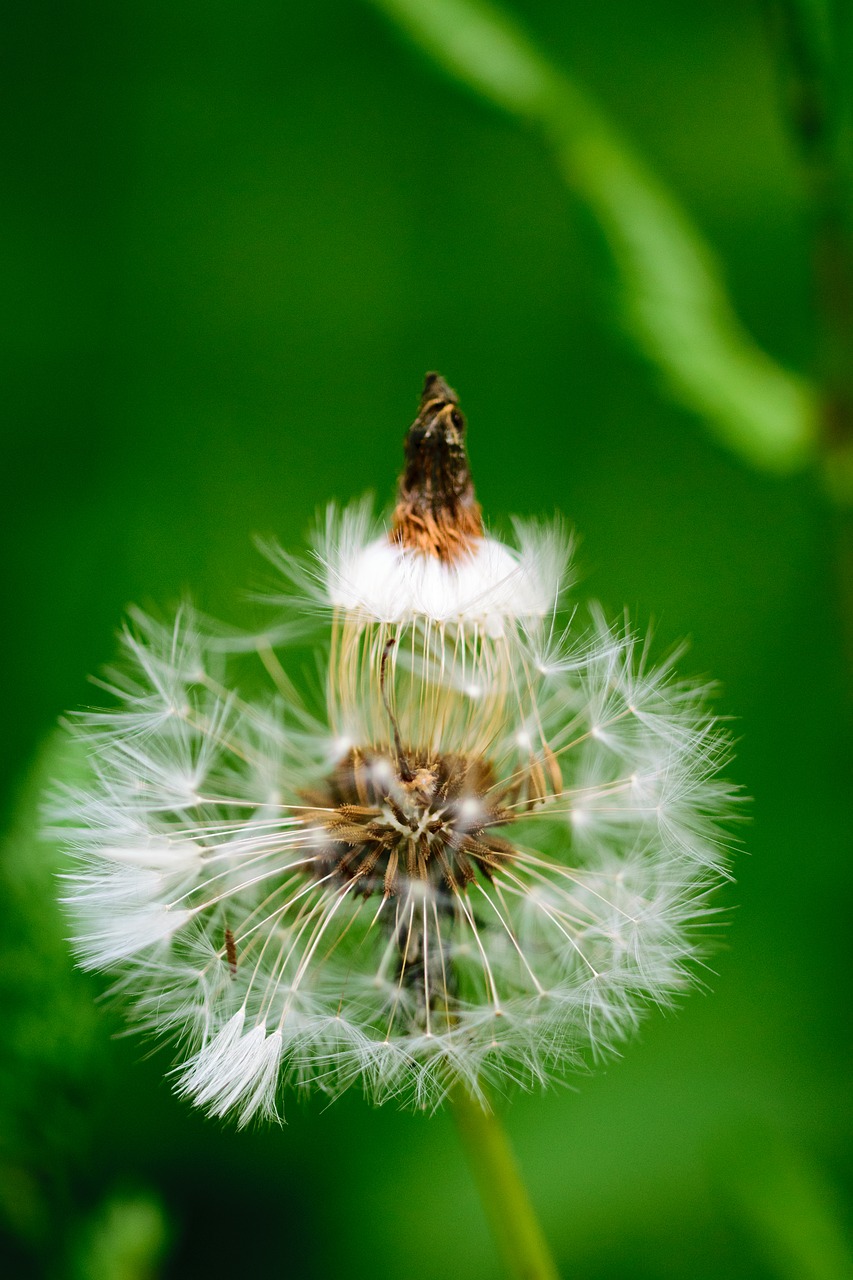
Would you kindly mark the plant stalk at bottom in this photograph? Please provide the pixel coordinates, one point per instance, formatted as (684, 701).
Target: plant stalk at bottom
(504, 1196)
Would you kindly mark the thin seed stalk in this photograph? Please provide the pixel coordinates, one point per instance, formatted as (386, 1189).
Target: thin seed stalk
(507, 1205)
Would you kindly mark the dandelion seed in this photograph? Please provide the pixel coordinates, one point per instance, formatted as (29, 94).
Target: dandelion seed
(481, 865)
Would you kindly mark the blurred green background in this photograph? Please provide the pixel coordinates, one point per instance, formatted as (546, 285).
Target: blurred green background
(234, 238)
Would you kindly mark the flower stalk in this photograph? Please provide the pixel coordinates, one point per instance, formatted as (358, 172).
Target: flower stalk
(506, 1203)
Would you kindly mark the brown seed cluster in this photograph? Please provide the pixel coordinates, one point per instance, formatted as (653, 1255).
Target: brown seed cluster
(437, 512)
(432, 821)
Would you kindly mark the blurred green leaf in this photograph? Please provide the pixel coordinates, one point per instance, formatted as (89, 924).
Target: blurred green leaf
(54, 1037)
(51, 1020)
(126, 1241)
(789, 1208)
(675, 302)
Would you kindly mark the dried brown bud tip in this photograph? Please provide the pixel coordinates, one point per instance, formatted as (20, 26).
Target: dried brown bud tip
(437, 512)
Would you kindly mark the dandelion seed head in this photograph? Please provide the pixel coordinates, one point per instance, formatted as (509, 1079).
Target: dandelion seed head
(481, 862)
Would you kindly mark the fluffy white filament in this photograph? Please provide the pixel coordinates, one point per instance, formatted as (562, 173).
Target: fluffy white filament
(357, 569)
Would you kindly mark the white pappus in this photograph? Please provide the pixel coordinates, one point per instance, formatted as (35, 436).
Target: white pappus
(490, 853)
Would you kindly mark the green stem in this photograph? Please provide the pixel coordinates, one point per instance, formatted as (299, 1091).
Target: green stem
(815, 95)
(674, 298)
(812, 91)
(504, 1196)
